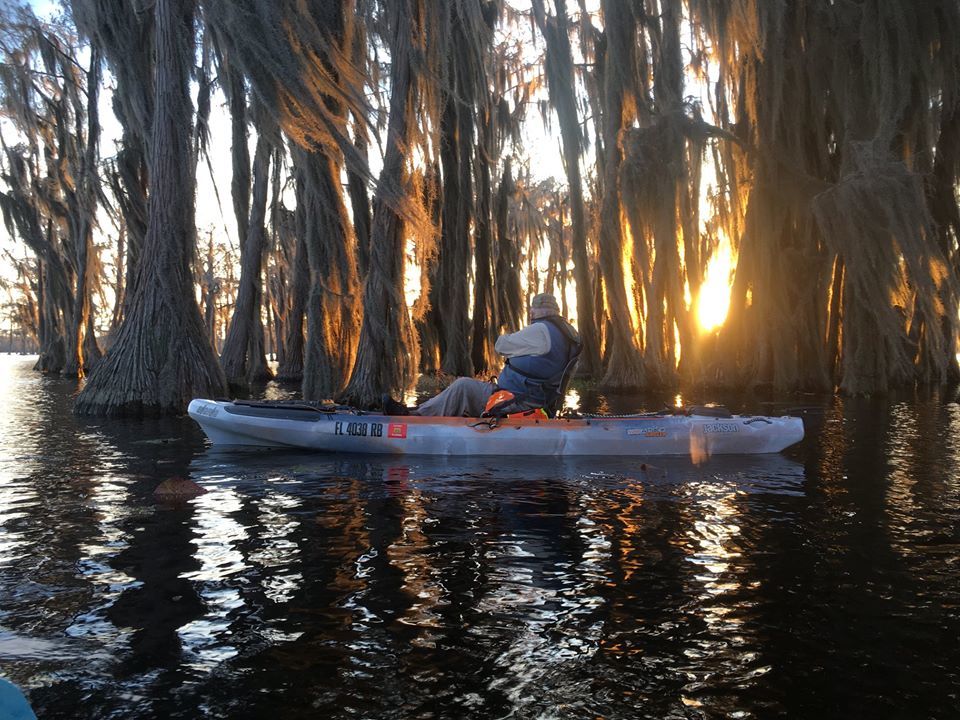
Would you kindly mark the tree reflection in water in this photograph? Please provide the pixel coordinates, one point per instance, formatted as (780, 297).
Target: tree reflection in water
(308, 586)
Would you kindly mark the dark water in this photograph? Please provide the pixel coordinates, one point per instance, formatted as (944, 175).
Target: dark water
(822, 582)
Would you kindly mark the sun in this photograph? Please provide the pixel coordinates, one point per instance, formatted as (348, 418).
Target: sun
(714, 300)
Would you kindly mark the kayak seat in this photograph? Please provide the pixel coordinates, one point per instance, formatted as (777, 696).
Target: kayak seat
(717, 411)
(556, 397)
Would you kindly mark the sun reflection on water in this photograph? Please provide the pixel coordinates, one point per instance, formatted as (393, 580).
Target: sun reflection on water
(278, 554)
(205, 640)
(420, 582)
(725, 641)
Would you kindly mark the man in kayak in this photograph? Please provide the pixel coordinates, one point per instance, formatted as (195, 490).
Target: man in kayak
(536, 359)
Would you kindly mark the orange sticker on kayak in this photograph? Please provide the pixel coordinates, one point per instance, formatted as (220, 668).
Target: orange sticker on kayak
(397, 430)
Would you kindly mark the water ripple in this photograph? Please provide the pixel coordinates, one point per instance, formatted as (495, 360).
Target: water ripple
(345, 587)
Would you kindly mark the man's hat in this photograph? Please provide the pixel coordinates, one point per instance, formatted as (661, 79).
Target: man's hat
(545, 301)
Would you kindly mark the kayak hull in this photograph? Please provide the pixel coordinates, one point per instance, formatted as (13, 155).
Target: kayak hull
(238, 425)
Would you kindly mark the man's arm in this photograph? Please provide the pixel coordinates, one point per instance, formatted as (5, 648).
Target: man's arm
(532, 340)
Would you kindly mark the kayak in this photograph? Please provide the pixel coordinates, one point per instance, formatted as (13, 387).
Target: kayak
(338, 429)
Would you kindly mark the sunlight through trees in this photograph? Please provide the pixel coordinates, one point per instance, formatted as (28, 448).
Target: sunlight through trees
(744, 194)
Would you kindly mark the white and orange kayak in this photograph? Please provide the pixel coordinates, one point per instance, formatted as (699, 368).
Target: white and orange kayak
(287, 425)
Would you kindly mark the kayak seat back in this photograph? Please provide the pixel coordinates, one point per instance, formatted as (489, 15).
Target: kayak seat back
(717, 411)
(555, 397)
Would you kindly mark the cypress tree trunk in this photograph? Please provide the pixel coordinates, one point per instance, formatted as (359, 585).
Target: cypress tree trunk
(356, 41)
(332, 305)
(891, 337)
(624, 367)
(669, 96)
(240, 156)
(776, 329)
(162, 358)
(291, 366)
(559, 68)
(450, 291)
(91, 348)
(52, 329)
(124, 32)
(258, 369)
(482, 353)
(360, 209)
(82, 349)
(277, 266)
(55, 294)
(944, 205)
(130, 188)
(653, 181)
(427, 308)
(388, 355)
(835, 323)
(119, 289)
(242, 358)
(209, 289)
(507, 269)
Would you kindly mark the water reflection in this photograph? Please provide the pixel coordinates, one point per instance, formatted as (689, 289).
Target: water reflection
(337, 586)
(529, 570)
(724, 643)
(421, 581)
